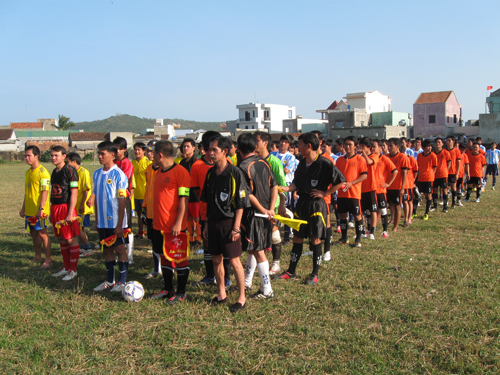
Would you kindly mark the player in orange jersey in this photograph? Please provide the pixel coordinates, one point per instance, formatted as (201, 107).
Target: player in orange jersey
(369, 186)
(477, 161)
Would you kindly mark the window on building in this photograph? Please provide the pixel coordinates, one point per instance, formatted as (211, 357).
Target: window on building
(246, 126)
(289, 114)
(432, 119)
(362, 123)
(338, 124)
(448, 119)
(253, 114)
(247, 116)
(455, 118)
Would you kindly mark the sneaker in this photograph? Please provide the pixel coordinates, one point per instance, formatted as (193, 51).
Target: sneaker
(413, 216)
(227, 283)
(445, 210)
(140, 235)
(364, 235)
(163, 294)
(261, 295)
(275, 268)
(62, 272)
(86, 252)
(350, 225)
(371, 236)
(477, 201)
(459, 203)
(206, 281)
(341, 242)
(118, 288)
(385, 234)
(104, 286)
(327, 256)
(69, 276)
(286, 275)
(466, 200)
(237, 307)
(152, 275)
(307, 253)
(492, 188)
(441, 203)
(312, 279)
(176, 298)
(426, 217)
(357, 244)
(433, 209)
(339, 230)
(453, 206)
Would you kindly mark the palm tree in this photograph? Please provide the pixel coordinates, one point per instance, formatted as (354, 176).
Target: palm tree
(64, 123)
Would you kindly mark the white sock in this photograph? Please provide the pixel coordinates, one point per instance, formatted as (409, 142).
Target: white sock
(263, 269)
(250, 270)
(130, 247)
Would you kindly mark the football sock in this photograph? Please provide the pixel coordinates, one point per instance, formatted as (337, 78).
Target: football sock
(86, 246)
(372, 230)
(65, 255)
(276, 252)
(317, 257)
(328, 239)
(227, 268)
(337, 217)
(110, 271)
(368, 220)
(295, 256)
(122, 270)
(478, 193)
(427, 206)
(168, 277)
(130, 247)
(445, 200)
(385, 222)
(459, 195)
(453, 198)
(359, 229)
(485, 181)
(209, 264)
(190, 229)
(343, 228)
(434, 200)
(250, 269)
(469, 192)
(494, 181)
(156, 262)
(182, 279)
(263, 269)
(74, 255)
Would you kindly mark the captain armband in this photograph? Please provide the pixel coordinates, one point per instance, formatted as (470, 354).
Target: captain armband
(44, 183)
(122, 193)
(183, 191)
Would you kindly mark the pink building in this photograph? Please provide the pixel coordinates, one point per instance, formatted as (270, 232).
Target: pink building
(433, 112)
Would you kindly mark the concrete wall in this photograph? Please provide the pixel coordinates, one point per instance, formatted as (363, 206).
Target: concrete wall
(489, 127)
(126, 135)
(422, 127)
(390, 118)
(378, 132)
(493, 104)
(349, 119)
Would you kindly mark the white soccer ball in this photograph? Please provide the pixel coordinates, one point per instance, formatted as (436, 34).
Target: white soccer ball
(133, 291)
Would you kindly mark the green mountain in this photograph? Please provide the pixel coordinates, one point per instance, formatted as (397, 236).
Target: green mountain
(127, 123)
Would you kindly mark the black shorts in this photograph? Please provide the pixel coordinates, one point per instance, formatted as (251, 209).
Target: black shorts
(219, 238)
(381, 200)
(314, 211)
(440, 182)
(491, 169)
(108, 232)
(474, 181)
(149, 225)
(369, 202)
(157, 240)
(452, 178)
(393, 196)
(256, 232)
(425, 187)
(350, 205)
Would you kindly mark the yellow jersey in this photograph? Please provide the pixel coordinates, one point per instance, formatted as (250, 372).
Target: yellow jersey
(140, 176)
(35, 182)
(84, 184)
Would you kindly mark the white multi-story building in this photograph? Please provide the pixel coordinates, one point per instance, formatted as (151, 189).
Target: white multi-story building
(371, 102)
(264, 116)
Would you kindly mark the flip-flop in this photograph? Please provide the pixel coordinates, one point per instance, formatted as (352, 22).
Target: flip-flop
(216, 302)
(237, 307)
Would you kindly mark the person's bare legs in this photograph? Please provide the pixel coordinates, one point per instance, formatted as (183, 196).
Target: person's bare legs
(41, 237)
(395, 215)
(239, 273)
(219, 277)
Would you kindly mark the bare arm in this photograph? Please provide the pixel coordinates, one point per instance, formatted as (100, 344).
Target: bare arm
(235, 233)
(181, 213)
(387, 184)
(72, 204)
(121, 214)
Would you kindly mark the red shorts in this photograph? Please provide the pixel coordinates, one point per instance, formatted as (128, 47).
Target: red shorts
(194, 210)
(59, 212)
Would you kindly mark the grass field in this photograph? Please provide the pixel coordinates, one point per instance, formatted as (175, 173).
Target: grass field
(426, 300)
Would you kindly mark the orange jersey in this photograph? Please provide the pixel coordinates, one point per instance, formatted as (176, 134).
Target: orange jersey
(410, 179)
(149, 192)
(328, 199)
(384, 170)
(426, 164)
(351, 168)
(370, 184)
(170, 186)
(455, 155)
(401, 162)
(469, 152)
(465, 161)
(199, 172)
(443, 157)
(476, 164)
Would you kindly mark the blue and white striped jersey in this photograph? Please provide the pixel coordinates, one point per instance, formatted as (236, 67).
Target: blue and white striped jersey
(492, 156)
(109, 186)
(289, 162)
(415, 153)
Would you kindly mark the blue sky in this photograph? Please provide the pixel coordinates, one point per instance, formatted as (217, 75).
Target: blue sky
(197, 60)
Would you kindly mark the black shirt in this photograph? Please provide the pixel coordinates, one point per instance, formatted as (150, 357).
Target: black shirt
(193, 197)
(319, 176)
(260, 178)
(225, 193)
(62, 182)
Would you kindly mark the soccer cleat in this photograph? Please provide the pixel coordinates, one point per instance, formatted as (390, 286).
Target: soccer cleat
(492, 188)
(104, 286)
(364, 235)
(312, 279)
(466, 200)
(350, 225)
(339, 230)
(371, 236)
(206, 281)
(275, 268)
(477, 200)
(445, 210)
(327, 256)
(459, 203)
(426, 217)
(62, 272)
(357, 244)
(163, 294)
(152, 275)
(140, 235)
(453, 206)
(261, 295)
(118, 288)
(176, 298)
(413, 216)
(237, 307)
(342, 241)
(86, 253)
(69, 276)
(286, 275)
(307, 253)
(227, 283)
(432, 209)
(385, 234)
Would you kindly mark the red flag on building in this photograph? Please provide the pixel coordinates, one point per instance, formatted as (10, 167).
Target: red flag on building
(489, 87)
